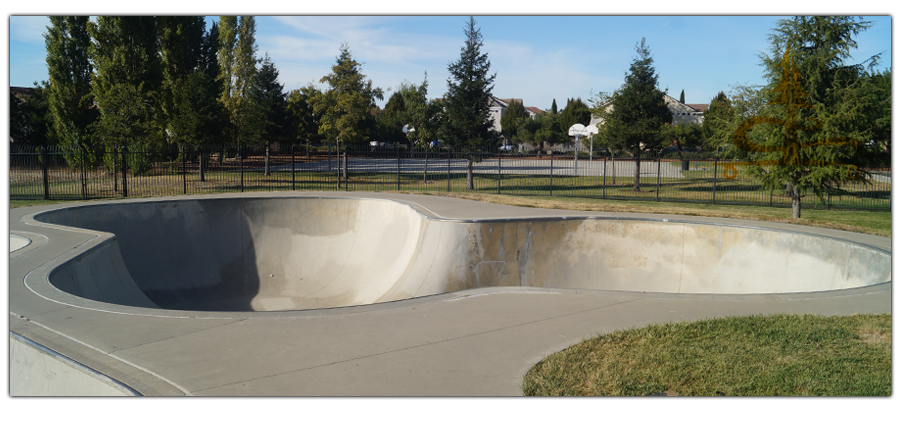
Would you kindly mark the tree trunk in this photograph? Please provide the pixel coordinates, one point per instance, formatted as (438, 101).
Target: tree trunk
(795, 201)
(267, 162)
(425, 175)
(470, 181)
(637, 173)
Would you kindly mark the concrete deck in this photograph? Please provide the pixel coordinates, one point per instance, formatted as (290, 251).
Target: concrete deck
(478, 341)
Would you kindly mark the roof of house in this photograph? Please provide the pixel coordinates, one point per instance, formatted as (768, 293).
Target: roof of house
(699, 107)
(534, 110)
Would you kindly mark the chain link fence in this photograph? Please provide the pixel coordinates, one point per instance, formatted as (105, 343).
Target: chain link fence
(60, 173)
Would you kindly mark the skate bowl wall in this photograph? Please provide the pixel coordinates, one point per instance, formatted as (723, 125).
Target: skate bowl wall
(275, 254)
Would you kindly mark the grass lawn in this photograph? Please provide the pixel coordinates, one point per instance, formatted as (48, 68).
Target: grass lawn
(739, 356)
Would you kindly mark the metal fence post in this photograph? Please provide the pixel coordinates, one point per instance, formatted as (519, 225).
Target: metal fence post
(715, 178)
(449, 155)
(83, 180)
(293, 170)
(241, 164)
(346, 174)
(183, 169)
(398, 167)
(604, 177)
(44, 171)
(551, 173)
(658, 169)
(499, 157)
(124, 171)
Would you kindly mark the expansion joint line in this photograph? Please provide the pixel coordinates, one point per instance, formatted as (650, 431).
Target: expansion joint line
(426, 344)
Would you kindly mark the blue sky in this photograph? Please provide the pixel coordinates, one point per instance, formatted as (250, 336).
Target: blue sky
(536, 57)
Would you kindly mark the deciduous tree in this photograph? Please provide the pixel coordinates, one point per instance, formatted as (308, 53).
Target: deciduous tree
(68, 92)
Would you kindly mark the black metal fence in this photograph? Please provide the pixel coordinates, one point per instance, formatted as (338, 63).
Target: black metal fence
(43, 172)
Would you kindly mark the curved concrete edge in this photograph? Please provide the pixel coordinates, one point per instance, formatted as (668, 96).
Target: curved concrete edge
(99, 245)
(35, 370)
(442, 338)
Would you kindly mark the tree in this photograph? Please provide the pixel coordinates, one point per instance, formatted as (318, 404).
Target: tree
(634, 115)
(425, 117)
(305, 118)
(127, 84)
(29, 117)
(237, 71)
(269, 95)
(68, 92)
(717, 120)
(553, 108)
(815, 122)
(347, 106)
(181, 45)
(548, 131)
(683, 135)
(512, 118)
(576, 111)
(681, 99)
(467, 118)
(394, 116)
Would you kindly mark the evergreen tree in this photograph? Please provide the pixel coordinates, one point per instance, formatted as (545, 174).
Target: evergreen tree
(425, 117)
(268, 94)
(512, 118)
(815, 121)
(347, 106)
(29, 117)
(553, 108)
(637, 112)
(68, 92)
(394, 116)
(681, 99)
(717, 122)
(468, 124)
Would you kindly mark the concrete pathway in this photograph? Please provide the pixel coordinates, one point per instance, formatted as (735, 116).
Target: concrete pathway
(474, 342)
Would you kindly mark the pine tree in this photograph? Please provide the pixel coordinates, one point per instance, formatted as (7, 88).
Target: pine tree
(816, 119)
(468, 125)
(347, 106)
(69, 94)
(681, 99)
(716, 122)
(268, 94)
(637, 112)
(553, 108)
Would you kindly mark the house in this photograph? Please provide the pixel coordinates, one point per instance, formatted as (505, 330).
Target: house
(689, 113)
(498, 108)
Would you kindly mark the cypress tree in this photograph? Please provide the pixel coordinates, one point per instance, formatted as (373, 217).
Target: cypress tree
(68, 92)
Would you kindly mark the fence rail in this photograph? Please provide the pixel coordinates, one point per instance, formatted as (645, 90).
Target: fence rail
(41, 172)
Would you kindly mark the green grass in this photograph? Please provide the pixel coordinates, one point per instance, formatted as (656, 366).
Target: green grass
(739, 356)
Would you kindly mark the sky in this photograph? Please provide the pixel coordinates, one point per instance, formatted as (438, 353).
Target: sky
(537, 58)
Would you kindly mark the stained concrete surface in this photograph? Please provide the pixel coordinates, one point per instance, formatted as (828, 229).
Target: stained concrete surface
(478, 341)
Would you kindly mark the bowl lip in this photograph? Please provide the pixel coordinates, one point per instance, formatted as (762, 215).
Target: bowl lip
(38, 279)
